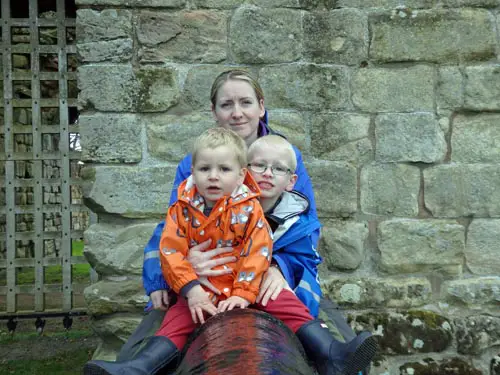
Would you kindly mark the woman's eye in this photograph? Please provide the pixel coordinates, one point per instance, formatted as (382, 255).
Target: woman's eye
(225, 105)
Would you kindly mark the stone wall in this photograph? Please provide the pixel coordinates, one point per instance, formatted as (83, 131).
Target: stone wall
(396, 109)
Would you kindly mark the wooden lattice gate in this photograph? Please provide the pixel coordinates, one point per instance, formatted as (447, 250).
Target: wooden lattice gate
(42, 216)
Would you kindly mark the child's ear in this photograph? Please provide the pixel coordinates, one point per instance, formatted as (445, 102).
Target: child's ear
(291, 182)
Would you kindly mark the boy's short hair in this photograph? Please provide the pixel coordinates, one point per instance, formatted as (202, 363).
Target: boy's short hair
(275, 141)
(216, 137)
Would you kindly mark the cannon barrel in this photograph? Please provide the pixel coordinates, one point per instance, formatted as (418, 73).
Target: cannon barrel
(244, 342)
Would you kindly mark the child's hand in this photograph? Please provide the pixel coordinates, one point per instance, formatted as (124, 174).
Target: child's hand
(231, 303)
(199, 302)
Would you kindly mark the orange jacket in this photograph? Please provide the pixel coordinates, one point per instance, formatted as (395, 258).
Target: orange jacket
(237, 220)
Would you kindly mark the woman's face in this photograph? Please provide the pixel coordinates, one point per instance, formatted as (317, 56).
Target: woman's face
(237, 108)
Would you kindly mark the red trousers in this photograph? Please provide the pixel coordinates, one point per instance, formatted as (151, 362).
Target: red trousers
(178, 324)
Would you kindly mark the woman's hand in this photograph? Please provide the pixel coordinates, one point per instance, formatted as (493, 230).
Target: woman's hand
(202, 262)
(272, 285)
(231, 303)
(199, 303)
(159, 298)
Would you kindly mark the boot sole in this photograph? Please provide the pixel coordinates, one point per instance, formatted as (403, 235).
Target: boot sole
(92, 369)
(362, 357)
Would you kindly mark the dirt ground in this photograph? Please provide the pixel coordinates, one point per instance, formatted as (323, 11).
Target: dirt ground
(54, 340)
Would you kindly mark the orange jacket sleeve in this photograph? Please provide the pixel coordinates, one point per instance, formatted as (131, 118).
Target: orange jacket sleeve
(255, 256)
(173, 251)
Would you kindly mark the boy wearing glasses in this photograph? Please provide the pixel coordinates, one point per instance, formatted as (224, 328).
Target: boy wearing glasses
(219, 202)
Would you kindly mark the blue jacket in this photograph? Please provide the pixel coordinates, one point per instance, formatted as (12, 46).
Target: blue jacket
(151, 272)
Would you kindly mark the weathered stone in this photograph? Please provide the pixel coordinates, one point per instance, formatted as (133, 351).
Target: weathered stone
(421, 245)
(474, 291)
(114, 330)
(107, 138)
(341, 136)
(113, 249)
(120, 88)
(290, 124)
(335, 187)
(433, 35)
(416, 331)
(482, 252)
(134, 201)
(259, 35)
(482, 88)
(197, 36)
(387, 4)
(196, 91)
(171, 137)
(470, 3)
(476, 138)
(477, 333)
(337, 37)
(450, 88)
(230, 4)
(361, 293)
(429, 366)
(390, 189)
(495, 365)
(394, 90)
(414, 137)
(119, 50)
(342, 244)
(307, 87)
(135, 3)
(109, 24)
(108, 297)
(456, 190)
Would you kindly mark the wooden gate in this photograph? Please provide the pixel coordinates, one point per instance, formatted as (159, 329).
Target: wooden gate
(42, 216)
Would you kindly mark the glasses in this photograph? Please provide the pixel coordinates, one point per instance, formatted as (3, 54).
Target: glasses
(276, 170)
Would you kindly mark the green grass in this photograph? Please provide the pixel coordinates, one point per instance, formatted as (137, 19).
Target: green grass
(53, 274)
(70, 363)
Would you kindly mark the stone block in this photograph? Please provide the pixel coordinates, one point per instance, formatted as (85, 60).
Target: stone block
(412, 332)
(409, 137)
(119, 50)
(291, 124)
(109, 297)
(171, 137)
(421, 245)
(121, 190)
(198, 36)
(338, 37)
(384, 293)
(342, 244)
(306, 87)
(390, 189)
(474, 292)
(457, 190)
(482, 87)
(335, 188)
(457, 366)
(120, 88)
(477, 333)
(341, 136)
(450, 88)
(108, 24)
(110, 138)
(135, 3)
(394, 90)
(117, 250)
(482, 251)
(440, 36)
(386, 4)
(263, 36)
(476, 138)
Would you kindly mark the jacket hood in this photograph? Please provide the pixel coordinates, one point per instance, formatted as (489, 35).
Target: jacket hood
(291, 204)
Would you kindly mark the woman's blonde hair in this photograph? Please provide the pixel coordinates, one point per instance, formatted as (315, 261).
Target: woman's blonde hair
(235, 74)
(216, 137)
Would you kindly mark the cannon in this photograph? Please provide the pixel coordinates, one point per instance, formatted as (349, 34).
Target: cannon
(244, 341)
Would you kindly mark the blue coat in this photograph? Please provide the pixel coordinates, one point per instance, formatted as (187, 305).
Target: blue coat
(151, 273)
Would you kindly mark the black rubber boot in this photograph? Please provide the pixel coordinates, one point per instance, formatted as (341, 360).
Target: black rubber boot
(333, 357)
(158, 354)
